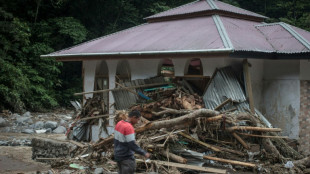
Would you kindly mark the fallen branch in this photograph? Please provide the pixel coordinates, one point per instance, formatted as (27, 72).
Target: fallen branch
(174, 157)
(244, 144)
(222, 104)
(199, 142)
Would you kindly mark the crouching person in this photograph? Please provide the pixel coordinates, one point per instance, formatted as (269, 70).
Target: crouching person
(125, 144)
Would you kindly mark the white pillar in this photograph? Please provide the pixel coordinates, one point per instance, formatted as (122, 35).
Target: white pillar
(112, 64)
(89, 70)
(179, 66)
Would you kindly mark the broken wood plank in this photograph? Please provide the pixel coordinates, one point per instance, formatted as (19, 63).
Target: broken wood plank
(248, 85)
(230, 161)
(251, 128)
(223, 104)
(120, 89)
(244, 144)
(94, 117)
(261, 136)
(199, 142)
(184, 166)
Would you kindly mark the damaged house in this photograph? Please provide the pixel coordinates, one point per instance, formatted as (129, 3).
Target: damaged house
(194, 42)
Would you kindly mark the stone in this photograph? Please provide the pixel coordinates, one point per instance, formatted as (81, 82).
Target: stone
(15, 115)
(60, 130)
(28, 131)
(3, 123)
(98, 171)
(62, 122)
(50, 124)
(27, 114)
(39, 125)
(23, 120)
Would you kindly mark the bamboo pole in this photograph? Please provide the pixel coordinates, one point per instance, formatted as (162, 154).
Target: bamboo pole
(118, 89)
(261, 136)
(240, 140)
(250, 128)
(229, 161)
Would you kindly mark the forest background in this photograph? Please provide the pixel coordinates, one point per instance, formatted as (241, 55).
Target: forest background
(30, 28)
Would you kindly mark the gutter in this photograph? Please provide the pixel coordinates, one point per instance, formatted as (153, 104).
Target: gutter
(225, 50)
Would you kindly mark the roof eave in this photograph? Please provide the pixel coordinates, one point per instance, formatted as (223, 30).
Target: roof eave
(140, 55)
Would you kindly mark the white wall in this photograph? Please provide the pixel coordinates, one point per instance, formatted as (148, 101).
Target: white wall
(256, 73)
(142, 69)
(89, 70)
(305, 69)
(281, 95)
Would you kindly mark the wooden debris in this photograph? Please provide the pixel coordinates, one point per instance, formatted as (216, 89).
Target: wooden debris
(184, 166)
(229, 161)
(262, 136)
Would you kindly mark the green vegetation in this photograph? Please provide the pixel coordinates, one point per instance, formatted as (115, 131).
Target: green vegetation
(30, 28)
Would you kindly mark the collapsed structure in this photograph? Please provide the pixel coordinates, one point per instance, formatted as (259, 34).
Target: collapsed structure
(190, 43)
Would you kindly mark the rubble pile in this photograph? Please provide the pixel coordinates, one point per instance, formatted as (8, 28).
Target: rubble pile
(187, 133)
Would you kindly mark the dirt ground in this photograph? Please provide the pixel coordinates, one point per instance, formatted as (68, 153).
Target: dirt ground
(17, 159)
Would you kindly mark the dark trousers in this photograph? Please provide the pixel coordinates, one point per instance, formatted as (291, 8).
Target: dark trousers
(127, 166)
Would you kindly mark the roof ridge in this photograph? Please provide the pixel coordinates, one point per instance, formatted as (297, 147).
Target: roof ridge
(212, 4)
(294, 33)
(222, 31)
(297, 36)
(240, 8)
(172, 9)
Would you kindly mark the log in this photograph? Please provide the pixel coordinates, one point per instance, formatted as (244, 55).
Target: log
(230, 161)
(270, 148)
(170, 111)
(305, 162)
(188, 118)
(184, 166)
(222, 104)
(261, 136)
(244, 144)
(250, 128)
(173, 157)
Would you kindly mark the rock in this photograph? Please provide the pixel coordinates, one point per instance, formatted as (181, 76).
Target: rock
(98, 171)
(15, 115)
(3, 143)
(28, 131)
(23, 120)
(39, 125)
(3, 123)
(60, 130)
(27, 114)
(50, 124)
(62, 122)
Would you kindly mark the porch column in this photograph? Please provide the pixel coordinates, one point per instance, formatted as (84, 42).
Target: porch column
(89, 70)
(112, 64)
(179, 66)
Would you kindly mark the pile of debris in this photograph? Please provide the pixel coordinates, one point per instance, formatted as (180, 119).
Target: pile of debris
(185, 137)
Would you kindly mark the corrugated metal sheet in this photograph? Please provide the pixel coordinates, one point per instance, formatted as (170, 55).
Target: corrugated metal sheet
(124, 99)
(227, 7)
(244, 35)
(187, 34)
(204, 5)
(281, 39)
(303, 33)
(195, 6)
(225, 85)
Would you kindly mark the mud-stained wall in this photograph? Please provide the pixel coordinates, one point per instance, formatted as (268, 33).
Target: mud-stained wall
(304, 118)
(281, 95)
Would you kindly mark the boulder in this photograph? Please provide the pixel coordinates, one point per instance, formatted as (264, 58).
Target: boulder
(28, 131)
(50, 124)
(60, 130)
(39, 125)
(27, 114)
(3, 123)
(23, 120)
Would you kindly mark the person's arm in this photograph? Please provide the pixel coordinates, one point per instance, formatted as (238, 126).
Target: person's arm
(130, 139)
